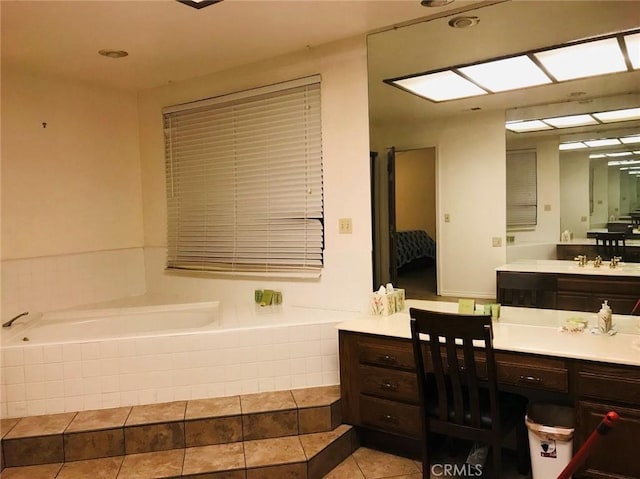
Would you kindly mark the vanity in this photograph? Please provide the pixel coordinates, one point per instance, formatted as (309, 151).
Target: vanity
(587, 246)
(592, 373)
(558, 284)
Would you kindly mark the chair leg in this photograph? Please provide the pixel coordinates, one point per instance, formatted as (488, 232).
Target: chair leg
(522, 445)
(497, 460)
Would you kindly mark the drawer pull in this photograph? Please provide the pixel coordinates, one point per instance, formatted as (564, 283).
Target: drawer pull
(388, 386)
(530, 380)
(388, 359)
(390, 418)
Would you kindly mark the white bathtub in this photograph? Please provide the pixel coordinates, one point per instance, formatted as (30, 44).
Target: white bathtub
(129, 353)
(61, 327)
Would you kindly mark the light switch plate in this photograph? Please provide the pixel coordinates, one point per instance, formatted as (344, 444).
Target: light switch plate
(345, 226)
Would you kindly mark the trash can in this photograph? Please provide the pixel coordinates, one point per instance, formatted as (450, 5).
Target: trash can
(551, 429)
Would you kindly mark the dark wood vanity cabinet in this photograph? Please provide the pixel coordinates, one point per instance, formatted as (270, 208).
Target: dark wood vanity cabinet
(602, 388)
(573, 292)
(380, 396)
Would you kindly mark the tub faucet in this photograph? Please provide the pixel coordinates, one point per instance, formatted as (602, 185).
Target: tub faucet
(10, 322)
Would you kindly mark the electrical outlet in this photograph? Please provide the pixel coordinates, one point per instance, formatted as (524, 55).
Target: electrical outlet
(345, 226)
(547, 207)
(447, 218)
(496, 241)
(583, 219)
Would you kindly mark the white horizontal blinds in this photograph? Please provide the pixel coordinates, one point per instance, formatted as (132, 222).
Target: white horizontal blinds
(244, 183)
(522, 194)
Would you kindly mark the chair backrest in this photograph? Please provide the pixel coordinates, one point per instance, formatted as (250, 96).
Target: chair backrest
(453, 358)
(610, 244)
(635, 219)
(527, 290)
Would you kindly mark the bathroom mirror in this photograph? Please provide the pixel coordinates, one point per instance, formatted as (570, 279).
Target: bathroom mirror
(496, 29)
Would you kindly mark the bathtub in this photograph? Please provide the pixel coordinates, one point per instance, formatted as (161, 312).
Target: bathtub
(144, 351)
(113, 323)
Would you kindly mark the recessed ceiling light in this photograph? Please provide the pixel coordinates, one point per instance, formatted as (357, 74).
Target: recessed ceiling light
(506, 74)
(463, 22)
(583, 60)
(574, 145)
(113, 53)
(618, 115)
(602, 142)
(633, 48)
(569, 121)
(525, 126)
(630, 139)
(440, 86)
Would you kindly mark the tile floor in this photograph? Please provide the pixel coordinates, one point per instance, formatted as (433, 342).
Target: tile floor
(367, 463)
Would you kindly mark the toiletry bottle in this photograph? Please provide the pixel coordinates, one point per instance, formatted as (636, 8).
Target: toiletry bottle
(604, 318)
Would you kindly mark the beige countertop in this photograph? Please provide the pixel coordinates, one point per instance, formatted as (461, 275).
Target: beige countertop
(527, 330)
(570, 267)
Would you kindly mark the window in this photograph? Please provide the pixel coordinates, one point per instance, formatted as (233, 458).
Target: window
(522, 194)
(244, 181)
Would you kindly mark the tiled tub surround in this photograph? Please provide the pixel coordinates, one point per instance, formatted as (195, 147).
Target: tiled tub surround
(230, 437)
(252, 352)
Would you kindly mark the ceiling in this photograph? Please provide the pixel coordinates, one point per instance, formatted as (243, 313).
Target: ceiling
(170, 42)
(505, 28)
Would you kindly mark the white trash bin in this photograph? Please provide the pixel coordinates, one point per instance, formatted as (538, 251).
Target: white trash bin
(551, 429)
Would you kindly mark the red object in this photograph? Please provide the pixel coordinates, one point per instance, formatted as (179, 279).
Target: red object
(603, 428)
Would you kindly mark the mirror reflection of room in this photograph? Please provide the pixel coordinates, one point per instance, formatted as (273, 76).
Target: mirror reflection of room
(576, 194)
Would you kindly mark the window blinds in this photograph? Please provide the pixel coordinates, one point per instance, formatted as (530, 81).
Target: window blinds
(522, 194)
(244, 181)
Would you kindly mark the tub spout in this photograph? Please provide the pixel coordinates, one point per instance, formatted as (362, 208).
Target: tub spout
(10, 322)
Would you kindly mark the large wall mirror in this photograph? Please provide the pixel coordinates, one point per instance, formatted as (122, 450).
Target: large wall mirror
(575, 192)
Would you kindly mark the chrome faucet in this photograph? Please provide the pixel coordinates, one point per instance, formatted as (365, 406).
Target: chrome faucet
(10, 322)
(614, 261)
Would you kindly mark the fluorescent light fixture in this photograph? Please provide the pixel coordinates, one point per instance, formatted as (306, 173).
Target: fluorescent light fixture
(441, 86)
(508, 74)
(574, 145)
(583, 60)
(569, 121)
(627, 140)
(594, 156)
(633, 49)
(602, 142)
(528, 125)
(618, 115)
(619, 153)
(623, 162)
(579, 59)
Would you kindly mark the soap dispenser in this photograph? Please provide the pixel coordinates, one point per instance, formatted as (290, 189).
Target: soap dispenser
(604, 318)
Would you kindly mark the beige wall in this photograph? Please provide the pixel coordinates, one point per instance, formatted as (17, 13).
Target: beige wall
(75, 185)
(574, 177)
(346, 278)
(416, 190)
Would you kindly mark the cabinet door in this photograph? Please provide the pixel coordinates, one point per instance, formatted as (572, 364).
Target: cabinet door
(574, 301)
(616, 454)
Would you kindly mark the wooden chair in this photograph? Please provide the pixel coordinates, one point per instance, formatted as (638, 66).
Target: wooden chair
(610, 244)
(527, 290)
(460, 397)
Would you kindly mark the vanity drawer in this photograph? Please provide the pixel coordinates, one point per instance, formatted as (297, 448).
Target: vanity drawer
(389, 383)
(533, 372)
(386, 353)
(609, 382)
(390, 416)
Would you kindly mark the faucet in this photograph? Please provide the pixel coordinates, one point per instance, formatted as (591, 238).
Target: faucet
(614, 261)
(581, 259)
(10, 322)
(597, 261)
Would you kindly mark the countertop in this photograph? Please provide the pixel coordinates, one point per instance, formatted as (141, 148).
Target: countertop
(571, 267)
(527, 330)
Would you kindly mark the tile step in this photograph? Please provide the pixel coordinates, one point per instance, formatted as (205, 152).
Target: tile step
(304, 456)
(125, 431)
